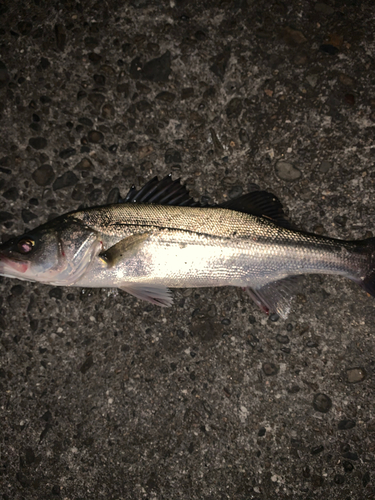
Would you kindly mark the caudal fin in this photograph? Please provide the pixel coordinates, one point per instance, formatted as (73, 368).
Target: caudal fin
(368, 282)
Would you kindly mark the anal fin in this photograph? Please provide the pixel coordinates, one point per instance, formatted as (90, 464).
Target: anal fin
(159, 295)
(277, 296)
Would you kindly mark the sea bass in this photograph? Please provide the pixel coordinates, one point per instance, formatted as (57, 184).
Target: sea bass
(159, 238)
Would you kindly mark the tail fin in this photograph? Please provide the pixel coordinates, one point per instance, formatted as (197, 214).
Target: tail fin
(368, 281)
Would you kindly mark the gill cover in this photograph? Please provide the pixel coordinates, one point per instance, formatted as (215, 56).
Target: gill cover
(58, 252)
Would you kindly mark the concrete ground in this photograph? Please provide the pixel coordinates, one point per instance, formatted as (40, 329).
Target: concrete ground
(106, 397)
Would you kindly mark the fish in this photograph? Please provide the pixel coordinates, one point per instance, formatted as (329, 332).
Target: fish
(158, 238)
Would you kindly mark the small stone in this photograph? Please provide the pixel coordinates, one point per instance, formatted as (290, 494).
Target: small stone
(24, 27)
(293, 37)
(123, 88)
(329, 49)
(60, 34)
(274, 317)
(11, 194)
(78, 192)
(29, 455)
(219, 63)
(346, 80)
(5, 217)
(132, 147)
(339, 479)
(287, 350)
(324, 8)
(262, 432)
(113, 196)
(44, 99)
(95, 195)
(355, 375)
(234, 108)
(325, 166)
(67, 153)
(66, 180)
(56, 293)
(99, 80)
(56, 490)
(157, 70)
(172, 156)
(85, 121)
(96, 99)
(270, 369)
(44, 63)
(86, 365)
(43, 175)
(282, 339)
(95, 58)
(200, 35)
(95, 137)
(243, 136)
(349, 99)
(108, 111)
(235, 192)
(348, 466)
(27, 215)
(84, 165)
(322, 403)
(340, 220)
(365, 479)
(287, 171)
(187, 93)
(317, 449)
(4, 75)
(350, 455)
(81, 94)
(91, 42)
(345, 425)
(143, 105)
(38, 142)
(166, 96)
(312, 80)
(17, 290)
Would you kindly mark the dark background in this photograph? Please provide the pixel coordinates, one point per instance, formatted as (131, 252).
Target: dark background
(104, 396)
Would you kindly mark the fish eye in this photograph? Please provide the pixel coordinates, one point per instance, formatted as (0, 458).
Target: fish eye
(25, 245)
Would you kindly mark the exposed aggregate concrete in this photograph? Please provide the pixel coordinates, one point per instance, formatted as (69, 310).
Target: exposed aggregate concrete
(104, 396)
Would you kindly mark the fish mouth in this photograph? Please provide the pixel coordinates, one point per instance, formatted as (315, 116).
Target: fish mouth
(8, 267)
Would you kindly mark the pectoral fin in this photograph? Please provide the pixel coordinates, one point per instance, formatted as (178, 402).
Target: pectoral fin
(124, 249)
(156, 294)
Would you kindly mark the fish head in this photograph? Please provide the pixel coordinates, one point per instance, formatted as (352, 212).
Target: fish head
(58, 252)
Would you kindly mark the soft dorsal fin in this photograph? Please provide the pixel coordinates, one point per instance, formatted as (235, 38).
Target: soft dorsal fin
(164, 192)
(261, 204)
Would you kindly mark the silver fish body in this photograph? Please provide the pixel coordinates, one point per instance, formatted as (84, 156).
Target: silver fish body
(147, 248)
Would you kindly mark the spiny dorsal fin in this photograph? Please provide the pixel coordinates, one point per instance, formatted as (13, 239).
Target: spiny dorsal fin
(164, 192)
